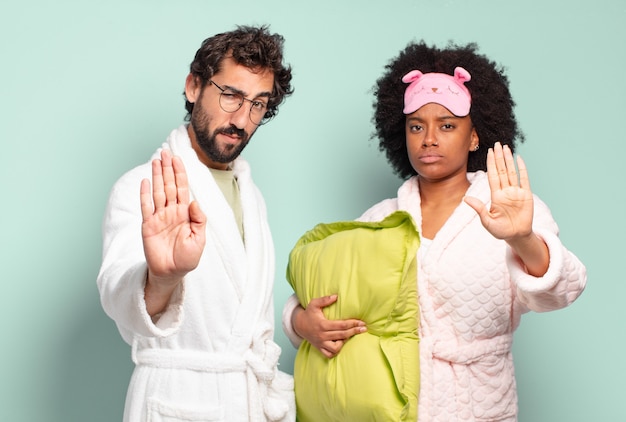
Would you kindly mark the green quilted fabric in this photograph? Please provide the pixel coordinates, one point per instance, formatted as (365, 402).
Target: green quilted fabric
(372, 267)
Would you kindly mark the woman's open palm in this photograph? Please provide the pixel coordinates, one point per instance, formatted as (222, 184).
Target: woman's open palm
(511, 212)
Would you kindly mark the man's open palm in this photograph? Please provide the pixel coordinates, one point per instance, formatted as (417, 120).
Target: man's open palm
(173, 230)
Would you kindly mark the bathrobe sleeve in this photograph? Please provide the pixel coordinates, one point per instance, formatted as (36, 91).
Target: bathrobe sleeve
(565, 279)
(288, 309)
(122, 276)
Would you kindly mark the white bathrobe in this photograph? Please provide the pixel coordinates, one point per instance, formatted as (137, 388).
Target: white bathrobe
(211, 355)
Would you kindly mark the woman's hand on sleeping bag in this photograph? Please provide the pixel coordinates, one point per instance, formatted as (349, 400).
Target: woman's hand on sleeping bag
(328, 336)
(173, 230)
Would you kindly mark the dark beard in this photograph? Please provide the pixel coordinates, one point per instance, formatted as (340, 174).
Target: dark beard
(207, 142)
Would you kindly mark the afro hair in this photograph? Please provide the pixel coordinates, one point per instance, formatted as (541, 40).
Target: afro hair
(492, 105)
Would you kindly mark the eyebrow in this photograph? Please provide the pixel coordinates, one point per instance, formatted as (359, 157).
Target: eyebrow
(440, 118)
(238, 91)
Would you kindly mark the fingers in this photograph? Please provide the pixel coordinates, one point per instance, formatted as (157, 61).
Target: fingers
(501, 167)
(180, 176)
(322, 302)
(169, 181)
(341, 329)
(197, 218)
(511, 172)
(146, 199)
(158, 193)
(328, 336)
(330, 349)
(475, 203)
(197, 221)
(492, 171)
(345, 328)
(524, 181)
(502, 162)
(328, 353)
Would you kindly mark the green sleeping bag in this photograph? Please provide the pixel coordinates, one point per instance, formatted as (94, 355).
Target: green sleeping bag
(372, 267)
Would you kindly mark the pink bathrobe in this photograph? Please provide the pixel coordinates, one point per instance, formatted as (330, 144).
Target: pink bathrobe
(472, 293)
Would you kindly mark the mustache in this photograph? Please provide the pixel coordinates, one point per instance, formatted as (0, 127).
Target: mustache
(233, 130)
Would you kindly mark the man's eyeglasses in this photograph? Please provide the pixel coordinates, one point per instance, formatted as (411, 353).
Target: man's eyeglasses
(231, 101)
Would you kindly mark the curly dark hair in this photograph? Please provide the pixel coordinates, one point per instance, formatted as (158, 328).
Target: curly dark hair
(492, 105)
(252, 47)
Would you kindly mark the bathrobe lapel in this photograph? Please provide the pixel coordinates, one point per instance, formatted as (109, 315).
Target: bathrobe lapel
(222, 229)
(249, 264)
(260, 258)
(409, 200)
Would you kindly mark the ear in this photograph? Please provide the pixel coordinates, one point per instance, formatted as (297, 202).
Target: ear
(192, 88)
(475, 140)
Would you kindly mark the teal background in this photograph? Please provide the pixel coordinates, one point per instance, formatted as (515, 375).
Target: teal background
(89, 90)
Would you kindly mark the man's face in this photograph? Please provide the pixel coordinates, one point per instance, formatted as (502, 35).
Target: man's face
(206, 137)
(217, 136)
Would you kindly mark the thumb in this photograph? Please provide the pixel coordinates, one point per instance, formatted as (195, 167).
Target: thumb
(197, 222)
(476, 204)
(324, 301)
(196, 216)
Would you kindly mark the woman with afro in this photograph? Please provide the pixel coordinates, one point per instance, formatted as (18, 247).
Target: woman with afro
(489, 250)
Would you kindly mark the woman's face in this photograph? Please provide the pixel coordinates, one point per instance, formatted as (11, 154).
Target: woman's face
(438, 142)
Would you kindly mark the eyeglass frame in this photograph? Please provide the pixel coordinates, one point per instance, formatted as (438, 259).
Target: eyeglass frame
(234, 92)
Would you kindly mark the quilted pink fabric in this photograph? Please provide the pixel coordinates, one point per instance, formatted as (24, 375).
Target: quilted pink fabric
(472, 293)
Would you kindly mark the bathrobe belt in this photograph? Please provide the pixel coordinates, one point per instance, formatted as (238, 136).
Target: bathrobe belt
(205, 361)
(263, 405)
(458, 359)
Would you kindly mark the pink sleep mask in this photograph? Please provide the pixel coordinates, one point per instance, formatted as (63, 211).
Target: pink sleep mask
(448, 91)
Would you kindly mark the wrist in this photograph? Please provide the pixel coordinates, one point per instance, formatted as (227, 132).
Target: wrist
(162, 284)
(158, 292)
(533, 253)
(522, 241)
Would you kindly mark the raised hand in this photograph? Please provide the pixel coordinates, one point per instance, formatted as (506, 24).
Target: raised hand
(510, 216)
(173, 229)
(511, 211)
(328, 336)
